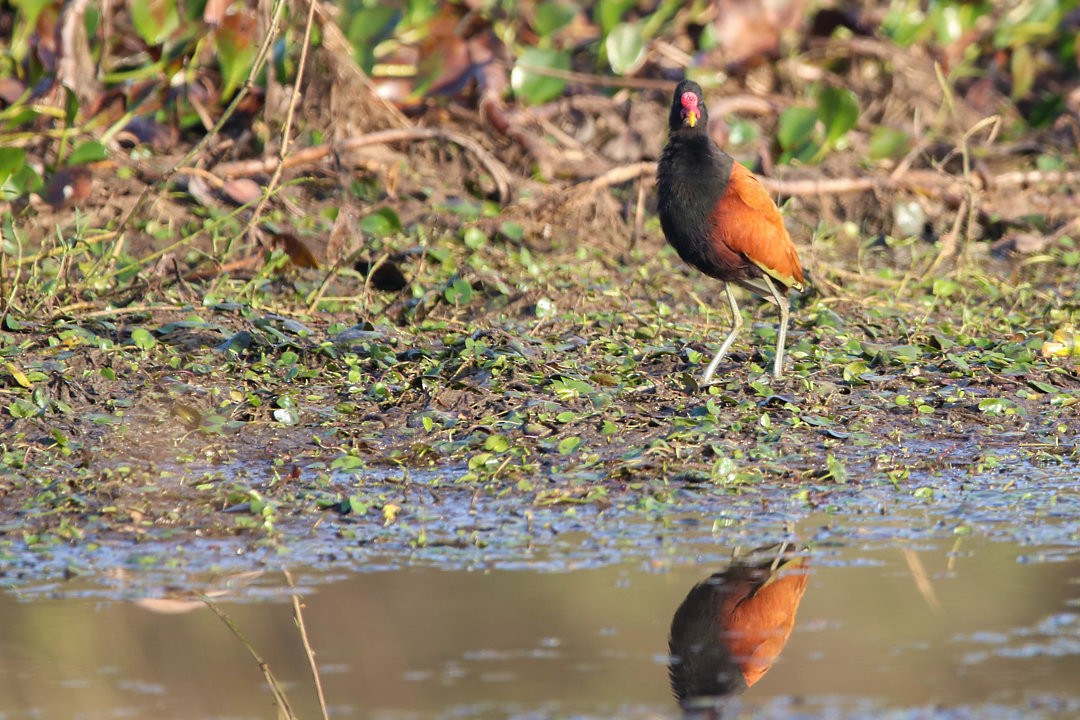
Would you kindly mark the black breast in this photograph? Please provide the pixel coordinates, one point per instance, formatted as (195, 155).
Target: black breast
(691, 178)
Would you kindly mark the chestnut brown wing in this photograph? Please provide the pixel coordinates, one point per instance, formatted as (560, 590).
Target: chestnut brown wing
(748, 222)
(758, 625)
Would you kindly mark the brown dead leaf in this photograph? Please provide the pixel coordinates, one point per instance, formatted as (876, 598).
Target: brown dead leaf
(749, 30)
(214, 12)
(338, 245)
(76, 69)
(242, 190)
(201, 191)
(295, 248)
(11, 89)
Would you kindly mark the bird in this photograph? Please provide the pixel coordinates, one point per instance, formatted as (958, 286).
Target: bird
(730, 628)
(721, 220)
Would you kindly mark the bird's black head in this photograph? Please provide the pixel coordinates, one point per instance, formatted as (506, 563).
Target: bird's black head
(688, 108)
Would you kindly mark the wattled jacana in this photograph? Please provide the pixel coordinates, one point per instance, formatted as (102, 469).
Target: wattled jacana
(721, 220)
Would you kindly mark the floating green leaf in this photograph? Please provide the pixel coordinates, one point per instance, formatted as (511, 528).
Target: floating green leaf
(154, 20)
(838, 110)
(552, 16)
(569, 445)
(533, 87)
(88, 152)
(143, 338)
(381, 223)
(460, 293)
(625, 46)
(886, 142)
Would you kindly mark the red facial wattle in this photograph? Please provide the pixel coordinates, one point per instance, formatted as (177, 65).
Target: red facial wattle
(690, 112)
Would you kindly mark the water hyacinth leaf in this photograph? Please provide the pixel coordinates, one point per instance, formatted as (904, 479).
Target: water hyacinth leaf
(236, 48)
(18, 375)
(854, 371)
(154, 20)
(533, 87)
(886, 142)
(796, 128)
(569, 445)
(23, 181)
(237, 343)
(994, 406)
(1023, 70)
(497, 443)
(287, 416)
(347, 462)
(460, 293)
(20, 409)
(12, 160)
(143, 338)
(88, 152)
(474, 238)
(625, 46)
(369, 27)
(381, 223)
(545, 308)
(943, 287)
(836, 468)
(610, 12)
(838, 109)
(552, 16)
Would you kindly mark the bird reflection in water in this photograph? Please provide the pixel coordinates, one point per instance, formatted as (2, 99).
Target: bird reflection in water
(730, 629)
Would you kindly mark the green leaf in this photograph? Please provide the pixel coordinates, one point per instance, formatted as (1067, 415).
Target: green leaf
(287, 416)
(347, 462)
(23, 409)
(947, 23)
(460, 293)
(88, 152)
(552, 16)
(1022, 67)
(497, 443)
(625, 46)
(994, 406)
(143, 338)
(474, 238)
(546, 307)
(796, 126)
(12, 160)
(610, 12)
(154, 20)
(381, 223)
(569, 445)
(943, 287)
(16, 177)
(369, 27)
(838, 109)
(236, 49)
(853, 371)
(837, 471)
(886, 142)
(532, 87)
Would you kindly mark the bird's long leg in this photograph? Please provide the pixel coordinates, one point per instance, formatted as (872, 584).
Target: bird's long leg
(785, 311)
(736, 325)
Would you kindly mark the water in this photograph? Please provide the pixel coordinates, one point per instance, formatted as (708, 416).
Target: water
(992, 631)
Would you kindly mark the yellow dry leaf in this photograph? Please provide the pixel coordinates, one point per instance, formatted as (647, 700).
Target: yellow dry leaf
(390, 512)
